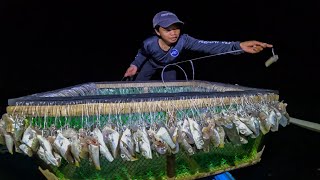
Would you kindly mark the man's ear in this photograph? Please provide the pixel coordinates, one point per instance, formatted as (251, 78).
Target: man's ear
(155, 30)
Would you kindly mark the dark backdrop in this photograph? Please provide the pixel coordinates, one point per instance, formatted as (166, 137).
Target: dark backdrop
(46, 45)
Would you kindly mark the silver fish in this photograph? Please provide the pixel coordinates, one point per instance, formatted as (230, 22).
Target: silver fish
(9, 123)
(265, 125)
(164, 135)
(175, 137)
(249, 122)
(111, 138)
(63, 146)
(187, 147)
(157, 144)
(127, 146)
(232, 133)
(9, 142)
(222, 135)
(2, 138)
(94, 155)
(186, 132)
(30, 139)
(136, 141)
(196, 133)
(215, 136)
(45, 144)
(103, 148)
(69, 133)
(274, 121)
(241, 127)
(76, 149)
(26, 150)
(144, 143)
(58, 158)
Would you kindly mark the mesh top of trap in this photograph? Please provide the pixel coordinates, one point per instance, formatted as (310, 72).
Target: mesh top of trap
(104, 92)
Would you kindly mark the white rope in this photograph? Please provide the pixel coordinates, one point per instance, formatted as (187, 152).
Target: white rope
(190, 60)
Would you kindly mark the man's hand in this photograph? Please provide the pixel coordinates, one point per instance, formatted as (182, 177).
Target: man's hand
(254, 46)
(131, 71)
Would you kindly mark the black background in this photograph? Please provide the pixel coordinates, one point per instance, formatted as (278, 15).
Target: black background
(46, 45)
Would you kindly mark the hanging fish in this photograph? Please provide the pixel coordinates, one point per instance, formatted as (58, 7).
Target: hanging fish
(29, 138)
(103, 148)
(175, 138)
(9, 142)
(9, 123)
(164, 135)
(222, 135)
(241, 127)
(196, 133)
(144, 143)
(232, 133)
(206, 134)
(187, 147)
(282, 120)
(127, 146)
(111, 137)
(215, 136)
(157, 144)
(272, 118)
(47, 148)
(69, 133)
(63, 146)
(26, 150)
(265, 125)
(76, 149)
(94, 155)
(186, 132)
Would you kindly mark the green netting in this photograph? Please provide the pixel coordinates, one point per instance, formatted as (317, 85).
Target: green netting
(187, 167)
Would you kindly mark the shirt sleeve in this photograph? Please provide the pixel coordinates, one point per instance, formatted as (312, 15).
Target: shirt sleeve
(212, 47)
(139, 59)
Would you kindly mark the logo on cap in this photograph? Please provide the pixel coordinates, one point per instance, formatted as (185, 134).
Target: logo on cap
(174, 53)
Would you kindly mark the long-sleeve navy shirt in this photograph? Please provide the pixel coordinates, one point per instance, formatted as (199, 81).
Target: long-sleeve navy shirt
(151, 50)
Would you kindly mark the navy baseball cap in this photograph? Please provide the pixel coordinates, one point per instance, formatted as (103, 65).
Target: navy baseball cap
(165, 19)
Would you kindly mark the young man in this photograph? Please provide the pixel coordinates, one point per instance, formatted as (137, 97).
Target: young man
(164, 48)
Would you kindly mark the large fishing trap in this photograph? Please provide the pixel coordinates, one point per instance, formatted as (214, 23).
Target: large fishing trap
(143, 130)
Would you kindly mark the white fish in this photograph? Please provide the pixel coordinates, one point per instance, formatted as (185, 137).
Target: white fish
(45, 144)
(111, 137)
(30, 139)
(215, 137)
(69, 133)
(232, 133)
(186, 132)
(9, 123)
(58, 158)
(144, 143)
(274, 121)
(187, 147)
(164, 135)
(127, 146)
(103, 148)
(196, 133)
(63, 145)
(265, 125)
(76, 149)
(222, 135)
(9, 142)
(26, 150)
(94, 155)
(241, 127)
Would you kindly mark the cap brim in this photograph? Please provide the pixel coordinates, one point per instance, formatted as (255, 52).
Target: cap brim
(168, 23)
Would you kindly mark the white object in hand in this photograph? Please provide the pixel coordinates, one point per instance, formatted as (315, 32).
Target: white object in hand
(271, 60)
